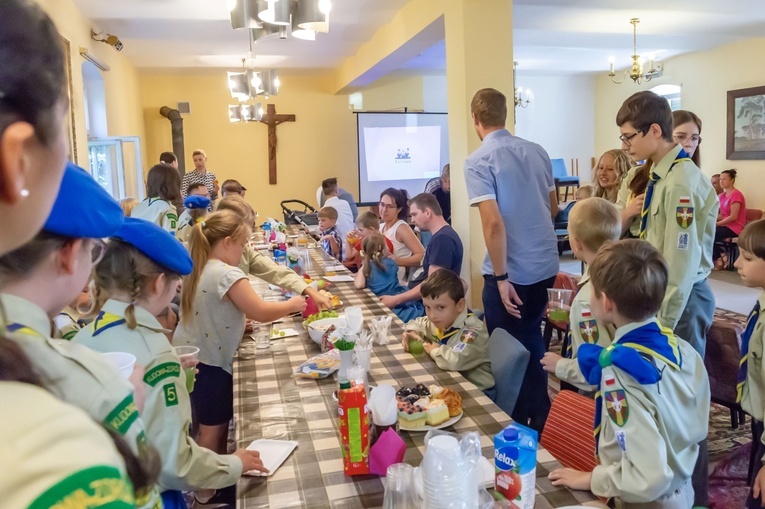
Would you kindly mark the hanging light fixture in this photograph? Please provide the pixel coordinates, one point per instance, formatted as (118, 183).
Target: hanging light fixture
(311, 16)
(245, 113)
(244, 14)
(275, 12)
(520, 100)
(637, 73)
(302, 18)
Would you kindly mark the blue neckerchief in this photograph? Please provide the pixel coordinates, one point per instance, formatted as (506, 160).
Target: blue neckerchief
(632, 353)
(443, 337)
(750, 323)
(653, 178)
(105, 321)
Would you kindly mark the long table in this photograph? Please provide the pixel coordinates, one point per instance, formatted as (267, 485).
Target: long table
(269, 403)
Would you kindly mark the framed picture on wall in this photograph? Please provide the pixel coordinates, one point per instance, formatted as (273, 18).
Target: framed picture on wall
(746, 123)
(70, 93)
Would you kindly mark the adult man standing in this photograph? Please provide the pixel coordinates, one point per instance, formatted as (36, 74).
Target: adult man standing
(342, 194)
(443, 252)
(510, 181)
(200, 175)
(344, 214)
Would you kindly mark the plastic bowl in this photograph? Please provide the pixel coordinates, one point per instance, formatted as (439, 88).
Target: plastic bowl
(317, 328)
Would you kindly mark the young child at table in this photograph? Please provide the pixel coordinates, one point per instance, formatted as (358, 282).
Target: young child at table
(366, 224)
(197, 207)
(215, 300)
(379, 273)
(163, 188)
(128, 204)
(592, 223)
(652, 408)
(330, 240)
(751, 379)
(74, 317)
(584, 192)
(139, 273)
(454, 337)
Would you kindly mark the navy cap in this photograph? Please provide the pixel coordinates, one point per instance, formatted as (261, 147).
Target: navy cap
(157, 244)
(196, 202)
(83, 209)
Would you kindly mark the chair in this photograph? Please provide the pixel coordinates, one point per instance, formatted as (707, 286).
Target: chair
(730, 246)
(562, 178)
(565, 281)
(568, 433)
(722, 357)
(432, 185)
(509, 359)
(561, 227)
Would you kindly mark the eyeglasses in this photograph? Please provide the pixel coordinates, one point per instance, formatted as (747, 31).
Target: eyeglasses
(682, 137)
(97, 250)
(387, 206)
(626, 139)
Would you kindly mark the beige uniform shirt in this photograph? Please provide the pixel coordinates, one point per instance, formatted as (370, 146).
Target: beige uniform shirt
(753, 395)
(157, 211)
(464, 347)
(681, 225)
(53, 455)
(650, 433)
(167, 412)
(625, 196)
(66, 324)
(262, 266)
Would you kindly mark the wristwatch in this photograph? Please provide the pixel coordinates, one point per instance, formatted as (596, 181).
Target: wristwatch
(502, 277)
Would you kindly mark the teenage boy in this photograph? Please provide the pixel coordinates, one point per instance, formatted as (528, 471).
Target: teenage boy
(654, 407)
(453, 336)
(592, 223)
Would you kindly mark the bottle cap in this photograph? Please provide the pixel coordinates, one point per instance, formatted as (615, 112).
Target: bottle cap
(345, 384)
(510, 434)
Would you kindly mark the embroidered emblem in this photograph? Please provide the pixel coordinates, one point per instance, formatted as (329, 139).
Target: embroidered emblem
(621, 439)
(459, 347)
(682, 241)
(468, 336)
(171, 396)
(589, 330)
(684, 214)
(616, 405)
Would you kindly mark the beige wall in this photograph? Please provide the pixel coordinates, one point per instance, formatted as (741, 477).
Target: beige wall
(705, 78)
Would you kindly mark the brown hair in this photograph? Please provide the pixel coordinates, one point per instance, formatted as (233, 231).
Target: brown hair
(639, 181)
(731, 173)
(595, 221)
(217, 226)
(193, 186)
(232, 186)
(680, 117)
(443, 281)
(400, 197)
(240, 207)
(22, 261)
(124, 268)
(167, 158)
(489, 107)
(369, 220)
(752, 238)
(374, 252)
(163, 181)
(328, 213)
(643, 109)
(427, 201)
(329, 186)
(622, 165)
(633, 274)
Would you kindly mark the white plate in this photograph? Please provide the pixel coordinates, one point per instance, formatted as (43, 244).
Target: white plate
(340, 278)
(429, 428)
(288, 333)
(272, 453)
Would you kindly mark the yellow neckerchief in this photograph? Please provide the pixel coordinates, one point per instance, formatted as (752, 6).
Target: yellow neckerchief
(105, 321)
(442, 337)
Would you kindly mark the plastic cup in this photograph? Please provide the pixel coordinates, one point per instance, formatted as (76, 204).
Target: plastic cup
(189, 356)
(416, 347)
(355, 318)
(364, 356)
(262, 334)
(559, 304)
(122, 361)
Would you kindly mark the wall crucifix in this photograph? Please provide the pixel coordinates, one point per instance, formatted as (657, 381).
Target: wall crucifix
(271, 119)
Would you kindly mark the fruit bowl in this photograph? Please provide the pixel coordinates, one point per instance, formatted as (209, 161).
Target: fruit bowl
(316, 329)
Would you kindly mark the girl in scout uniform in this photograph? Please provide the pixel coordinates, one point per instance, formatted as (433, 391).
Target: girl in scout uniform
(71, 319)
(216, 299)
(196, 210)
(38, 279)
(163, 188)
(751, 379)
(140, 272)
(591, 224)
(652, 404)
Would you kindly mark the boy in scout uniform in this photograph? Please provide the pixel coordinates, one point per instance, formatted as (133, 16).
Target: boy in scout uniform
(127, 323)
(751, 386)
(652, 405)
(43, 276)
(591, 224)
(454, 337)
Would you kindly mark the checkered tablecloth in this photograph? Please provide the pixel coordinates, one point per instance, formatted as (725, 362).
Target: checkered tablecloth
(268, 403)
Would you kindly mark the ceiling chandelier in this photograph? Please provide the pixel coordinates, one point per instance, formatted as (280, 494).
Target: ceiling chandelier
(303, 19)
(637, 74)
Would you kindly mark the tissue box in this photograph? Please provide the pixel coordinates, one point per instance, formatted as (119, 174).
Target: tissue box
(354, 430)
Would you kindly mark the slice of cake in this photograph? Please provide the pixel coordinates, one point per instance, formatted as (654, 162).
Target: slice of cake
(410, 416)
(438, 413)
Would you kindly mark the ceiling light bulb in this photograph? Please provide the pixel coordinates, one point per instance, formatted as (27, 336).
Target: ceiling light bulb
(612, 59)
(231, 84)
(277, 83)
(255, 81)
(325, 6)
(260, 112)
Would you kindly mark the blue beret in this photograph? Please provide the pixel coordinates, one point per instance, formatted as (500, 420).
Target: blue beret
(196, 202)
(83, 209)
(157, 244)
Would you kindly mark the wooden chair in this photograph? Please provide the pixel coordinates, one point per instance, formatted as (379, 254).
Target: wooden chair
(723, 352)
(730, 246)
(568, 433)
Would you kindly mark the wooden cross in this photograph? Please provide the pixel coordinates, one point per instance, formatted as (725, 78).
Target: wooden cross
(271, 119)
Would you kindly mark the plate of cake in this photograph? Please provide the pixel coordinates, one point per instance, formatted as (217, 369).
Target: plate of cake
(423, 408)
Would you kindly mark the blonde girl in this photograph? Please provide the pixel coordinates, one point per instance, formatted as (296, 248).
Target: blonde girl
(139, 274)
(612, 166)
(216, 299)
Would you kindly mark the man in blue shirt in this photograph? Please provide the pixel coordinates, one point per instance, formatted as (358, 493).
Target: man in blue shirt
(510, 181)
(443, 252)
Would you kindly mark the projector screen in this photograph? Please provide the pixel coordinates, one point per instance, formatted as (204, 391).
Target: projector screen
(401, 150)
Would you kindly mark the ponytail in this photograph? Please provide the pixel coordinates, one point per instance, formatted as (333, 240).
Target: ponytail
(374, 252)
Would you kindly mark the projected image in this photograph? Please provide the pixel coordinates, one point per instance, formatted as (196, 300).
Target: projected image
(402, 153)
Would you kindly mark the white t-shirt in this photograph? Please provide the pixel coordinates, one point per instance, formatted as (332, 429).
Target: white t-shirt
(399, 248)
(344, 215)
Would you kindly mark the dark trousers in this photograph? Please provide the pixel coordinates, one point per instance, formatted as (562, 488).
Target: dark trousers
(757, 452)
(533, 403)
(721, 233)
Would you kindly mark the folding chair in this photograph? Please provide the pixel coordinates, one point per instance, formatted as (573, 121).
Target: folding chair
(509, 359)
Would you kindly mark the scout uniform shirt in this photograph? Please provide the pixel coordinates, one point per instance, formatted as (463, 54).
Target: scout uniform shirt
(260, 265)
(649, 433)
(167, 412)
(67, 324)
(625, 196)
(158, 211)
(681, 225)
(584, 328)
(753, 395)
(53, 455)
(184, 230)
(464, 347)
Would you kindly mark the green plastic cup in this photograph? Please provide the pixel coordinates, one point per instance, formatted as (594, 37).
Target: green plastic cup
(559, 304)
(189, 356)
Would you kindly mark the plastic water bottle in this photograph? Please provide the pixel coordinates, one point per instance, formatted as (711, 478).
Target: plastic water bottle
(515, 465)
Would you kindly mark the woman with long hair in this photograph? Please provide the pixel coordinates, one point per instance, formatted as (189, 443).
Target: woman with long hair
(608, 174)
(407, 249)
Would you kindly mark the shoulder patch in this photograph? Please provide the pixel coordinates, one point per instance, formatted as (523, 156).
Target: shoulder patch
(90, 488)
(468, 336)
(617, 407)
(123, 416)
(684, 216)
(589, 331)
(171, 394)
(161, 372)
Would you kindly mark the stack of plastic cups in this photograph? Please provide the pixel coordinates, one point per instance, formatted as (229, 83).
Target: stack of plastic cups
(445, 481)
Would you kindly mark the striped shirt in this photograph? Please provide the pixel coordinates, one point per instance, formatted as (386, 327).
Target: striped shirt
(194, 177)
